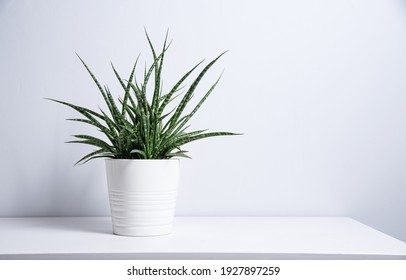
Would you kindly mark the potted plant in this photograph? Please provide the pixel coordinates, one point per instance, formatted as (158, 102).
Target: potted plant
(143, 137)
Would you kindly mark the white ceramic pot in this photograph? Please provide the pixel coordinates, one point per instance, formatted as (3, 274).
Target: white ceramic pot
(142, 195)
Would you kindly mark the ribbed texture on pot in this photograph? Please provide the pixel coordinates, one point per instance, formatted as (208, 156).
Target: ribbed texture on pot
(142, 209)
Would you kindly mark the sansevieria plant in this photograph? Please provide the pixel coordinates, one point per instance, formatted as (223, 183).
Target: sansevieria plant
(144, 131)
(142, 124)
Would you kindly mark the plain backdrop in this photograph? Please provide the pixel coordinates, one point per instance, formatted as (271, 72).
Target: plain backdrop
(317, 87)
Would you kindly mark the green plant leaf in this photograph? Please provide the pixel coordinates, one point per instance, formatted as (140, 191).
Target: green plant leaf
(82, 110)
(192, 88)
(88, 157)
(93, 141)
(190, 115)
(128, 88)
(168, 96)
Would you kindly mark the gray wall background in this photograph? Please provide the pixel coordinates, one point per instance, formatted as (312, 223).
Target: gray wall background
(317, 87)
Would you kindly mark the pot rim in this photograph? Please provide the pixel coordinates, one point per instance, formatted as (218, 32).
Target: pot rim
(123, 159)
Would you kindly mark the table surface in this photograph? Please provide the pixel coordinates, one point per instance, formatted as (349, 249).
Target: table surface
(199, 238)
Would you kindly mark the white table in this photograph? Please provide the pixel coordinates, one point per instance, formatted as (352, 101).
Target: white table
(198, 238)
